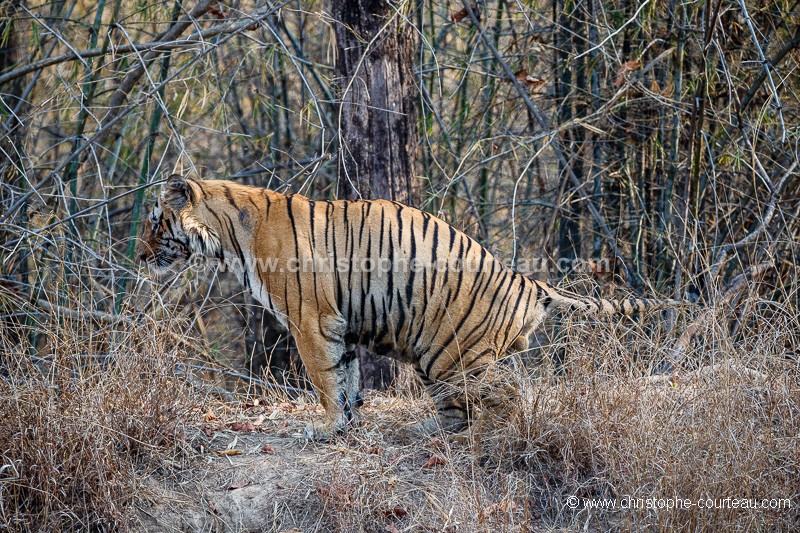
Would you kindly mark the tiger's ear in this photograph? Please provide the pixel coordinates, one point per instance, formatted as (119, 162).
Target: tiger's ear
(177, 192)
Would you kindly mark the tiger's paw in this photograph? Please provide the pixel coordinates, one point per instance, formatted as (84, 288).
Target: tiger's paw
(327, 431)
(322, 433)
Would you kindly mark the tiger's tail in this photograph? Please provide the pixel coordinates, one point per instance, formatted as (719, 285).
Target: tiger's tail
(570, 301)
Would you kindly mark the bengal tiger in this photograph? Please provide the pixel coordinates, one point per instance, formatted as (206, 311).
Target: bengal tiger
(451, 324)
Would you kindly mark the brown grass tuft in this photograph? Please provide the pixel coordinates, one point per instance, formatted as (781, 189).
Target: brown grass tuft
(80, 428)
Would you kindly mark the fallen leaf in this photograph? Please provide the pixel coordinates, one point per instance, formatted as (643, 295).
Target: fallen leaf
(259, 420)
(266, 448)
(242, 426)
(486, 512)
(239, 485)
(209, 416)
(397, 512)
(527, 79)
(230, 452)
(434, 460)
(208, 431)
(213, 508)
(508, 506)
(504, 507)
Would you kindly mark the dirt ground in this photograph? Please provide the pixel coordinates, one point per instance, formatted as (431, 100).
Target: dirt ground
(249, 469)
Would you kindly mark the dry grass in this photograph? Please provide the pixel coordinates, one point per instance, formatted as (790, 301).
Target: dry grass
(600, 428)
(106, 432)
(604, 430)
(82, 426)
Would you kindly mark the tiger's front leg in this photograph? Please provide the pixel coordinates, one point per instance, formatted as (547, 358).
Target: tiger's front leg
(335, 375)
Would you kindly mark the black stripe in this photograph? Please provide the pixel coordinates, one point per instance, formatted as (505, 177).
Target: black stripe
(229, 196)
(250, 199)
(313, 238)
(292, 222)
(412, 268)
(511, 322)
(238, 250)
(491, 308)
(192, 197)
(350, 245)
(434, 257)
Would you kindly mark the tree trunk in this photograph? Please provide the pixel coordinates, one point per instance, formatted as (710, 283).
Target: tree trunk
(377, 117)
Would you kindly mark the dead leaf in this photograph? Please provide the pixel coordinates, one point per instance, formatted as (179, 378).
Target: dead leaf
(230, 452)
(213, 508)
(396, 512)
(259, 420)
(504, 507)
(434, 460)
(208, 431)
(209, 416)
(624, 70)
(507, 506)
(486, 512)
(527, 79)
(242, 426)
(239, 485)
(461, 14)
(266, 448)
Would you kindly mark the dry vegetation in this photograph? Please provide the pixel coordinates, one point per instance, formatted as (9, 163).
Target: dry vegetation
(649, 133)
(607, 430)
(82, 426)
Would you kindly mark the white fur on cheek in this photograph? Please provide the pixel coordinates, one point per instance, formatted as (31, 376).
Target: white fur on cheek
(202, 240)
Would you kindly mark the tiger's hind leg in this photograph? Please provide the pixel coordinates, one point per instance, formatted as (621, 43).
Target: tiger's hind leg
(453, 412)
(497, 396)
(349, 377)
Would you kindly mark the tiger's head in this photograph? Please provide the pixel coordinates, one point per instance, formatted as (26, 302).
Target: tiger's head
(176, 228)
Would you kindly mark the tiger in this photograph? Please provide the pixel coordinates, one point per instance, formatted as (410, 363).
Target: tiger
(450, 324)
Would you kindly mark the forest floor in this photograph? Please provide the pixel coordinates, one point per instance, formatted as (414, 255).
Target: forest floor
(252, 470)
(595, 442)
(249, 469)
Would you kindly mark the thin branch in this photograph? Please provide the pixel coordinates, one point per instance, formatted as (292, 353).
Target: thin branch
(542, 121)
(767, 68)
(722, 256)
(793, 43)
(254, 18)
(615, 32)
(153, 46)
(736, 285)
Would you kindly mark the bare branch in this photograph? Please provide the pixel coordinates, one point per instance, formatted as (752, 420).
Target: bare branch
(767, 68)
(543, 123)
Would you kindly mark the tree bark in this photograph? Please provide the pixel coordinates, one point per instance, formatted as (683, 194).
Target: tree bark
(377, 117)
